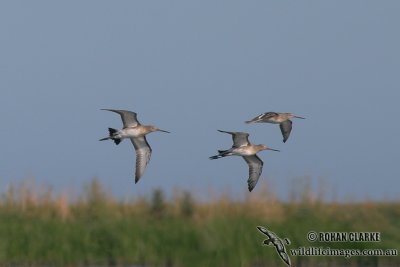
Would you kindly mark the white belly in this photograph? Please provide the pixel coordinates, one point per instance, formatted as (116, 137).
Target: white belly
(130, 132)
(243, 151)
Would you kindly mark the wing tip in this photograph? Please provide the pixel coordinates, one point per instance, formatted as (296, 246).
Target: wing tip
(250, 187)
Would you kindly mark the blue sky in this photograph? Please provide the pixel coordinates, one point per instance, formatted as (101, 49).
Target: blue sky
(192, 67)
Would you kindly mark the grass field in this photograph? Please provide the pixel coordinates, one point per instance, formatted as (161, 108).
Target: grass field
(42, 229)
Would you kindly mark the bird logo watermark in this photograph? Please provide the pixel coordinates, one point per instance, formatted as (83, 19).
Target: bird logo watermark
(278, 243)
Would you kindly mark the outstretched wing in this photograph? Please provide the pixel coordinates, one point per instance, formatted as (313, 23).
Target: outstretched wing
(129, 118)
(265, 117)
(143, 154)
(286, 128)
(255, 169)
(239, 138)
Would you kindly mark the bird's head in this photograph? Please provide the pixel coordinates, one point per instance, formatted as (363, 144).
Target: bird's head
(155, 129)
(265, 147)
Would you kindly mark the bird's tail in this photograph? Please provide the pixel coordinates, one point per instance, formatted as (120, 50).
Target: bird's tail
(116, 140)
(112, 133)
(221, 154)
(223, 151)
(259, 118)
(256, 119)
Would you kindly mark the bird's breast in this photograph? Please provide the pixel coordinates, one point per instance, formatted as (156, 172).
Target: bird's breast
(132, 132)
(245, 151)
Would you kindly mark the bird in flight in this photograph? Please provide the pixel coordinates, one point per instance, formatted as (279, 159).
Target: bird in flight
(283, 119)
(136, 132)
(242, 147)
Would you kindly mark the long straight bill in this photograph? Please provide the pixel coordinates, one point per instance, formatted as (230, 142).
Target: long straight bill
(299, 117)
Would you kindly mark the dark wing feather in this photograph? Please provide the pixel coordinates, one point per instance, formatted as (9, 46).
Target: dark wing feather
(255, 169)
(268, 115)
(263, 117)
(143, 154)
(129, 118)
(286, 128)
(239, 138)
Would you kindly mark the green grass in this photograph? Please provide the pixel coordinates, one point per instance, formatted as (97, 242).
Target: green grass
(43, 230)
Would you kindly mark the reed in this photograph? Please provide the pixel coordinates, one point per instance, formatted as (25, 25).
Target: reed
(38, 228)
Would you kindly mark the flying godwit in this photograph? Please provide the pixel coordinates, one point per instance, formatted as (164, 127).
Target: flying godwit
(137, 134)
(283, 119)
(242, 147)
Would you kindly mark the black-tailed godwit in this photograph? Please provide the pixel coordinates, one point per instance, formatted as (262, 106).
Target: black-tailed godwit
(136, 132)
(242, 147)
(283, 119)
